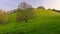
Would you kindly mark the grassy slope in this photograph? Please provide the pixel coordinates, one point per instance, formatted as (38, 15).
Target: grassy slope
(43, 24)
(44, 12)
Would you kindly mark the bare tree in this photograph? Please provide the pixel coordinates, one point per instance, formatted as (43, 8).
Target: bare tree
(26, 13)
(24, 6)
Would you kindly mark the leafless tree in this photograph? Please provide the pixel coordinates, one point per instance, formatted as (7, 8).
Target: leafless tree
(25, 13)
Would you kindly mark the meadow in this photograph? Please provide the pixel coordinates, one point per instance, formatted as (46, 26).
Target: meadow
(46, 22)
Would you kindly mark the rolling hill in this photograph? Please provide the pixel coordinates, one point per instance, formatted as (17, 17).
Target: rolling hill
(46, 22)
(44, 12)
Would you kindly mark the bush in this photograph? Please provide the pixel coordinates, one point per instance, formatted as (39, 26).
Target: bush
(3, 17)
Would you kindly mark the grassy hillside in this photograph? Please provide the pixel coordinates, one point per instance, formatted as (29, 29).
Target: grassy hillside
(45, 12)
(42, 24)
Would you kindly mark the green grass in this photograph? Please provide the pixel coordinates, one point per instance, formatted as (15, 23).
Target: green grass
(45, 12)
(42, 24)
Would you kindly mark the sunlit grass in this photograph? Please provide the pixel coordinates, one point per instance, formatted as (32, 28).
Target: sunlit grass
(42, 24)
(44, 12)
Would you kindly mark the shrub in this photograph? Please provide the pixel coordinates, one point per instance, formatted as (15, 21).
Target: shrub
(3, 17)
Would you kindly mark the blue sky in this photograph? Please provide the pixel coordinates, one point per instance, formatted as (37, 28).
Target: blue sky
(12, 4)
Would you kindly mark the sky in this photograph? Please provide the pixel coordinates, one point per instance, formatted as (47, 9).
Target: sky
(13, 4)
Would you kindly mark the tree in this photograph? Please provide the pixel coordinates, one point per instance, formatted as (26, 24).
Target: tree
(40, 7)
(24, 12)
(49, 9)
(53, 9)
(24, 6)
